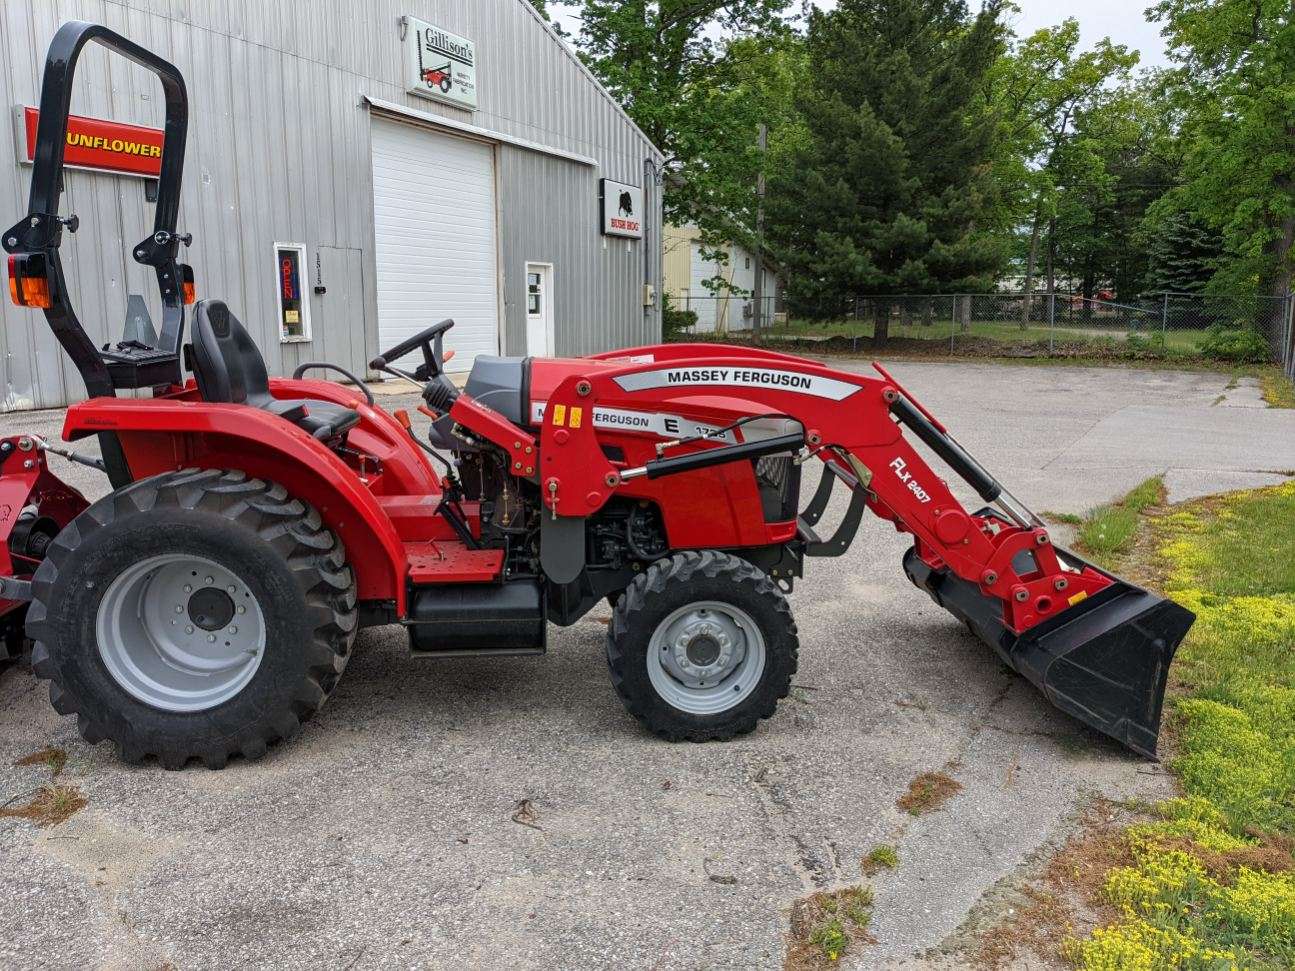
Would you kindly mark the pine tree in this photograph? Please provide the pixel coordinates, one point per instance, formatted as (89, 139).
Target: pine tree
(893, 190)
(1182, 254)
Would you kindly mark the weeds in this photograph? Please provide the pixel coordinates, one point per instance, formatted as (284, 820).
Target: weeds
(49, 805)
(52, 758)
(879, 858)
(1108, 531)
(1211, 883)
(1277, 389)
(825, 926)
(927, 793)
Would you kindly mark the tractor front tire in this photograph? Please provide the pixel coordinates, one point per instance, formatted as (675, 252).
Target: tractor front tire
(701, 647)
(194, 614)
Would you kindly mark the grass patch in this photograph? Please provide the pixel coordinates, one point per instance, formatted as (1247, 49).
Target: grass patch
(879, 858)
(1211, 882)
(1107, 532)
(48, 806)
(927, 793)
(826, 926)
(52, 758)
(1278, 390)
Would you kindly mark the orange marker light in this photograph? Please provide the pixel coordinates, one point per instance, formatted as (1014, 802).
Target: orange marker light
(28, 284)
(402, 416)
(447, 357)
(188, 290)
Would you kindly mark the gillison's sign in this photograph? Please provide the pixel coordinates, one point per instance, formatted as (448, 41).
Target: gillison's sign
(98, 144)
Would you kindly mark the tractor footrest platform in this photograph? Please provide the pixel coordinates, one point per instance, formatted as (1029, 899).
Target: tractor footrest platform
(1104, 660)
(450, 561)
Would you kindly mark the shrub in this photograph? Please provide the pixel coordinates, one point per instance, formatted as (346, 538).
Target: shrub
(1241, 344)
(675, 322)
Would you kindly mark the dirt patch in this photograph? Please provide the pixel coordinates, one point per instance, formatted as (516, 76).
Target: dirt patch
(48, 805)
(1065, 899)
(826, 926)
(54, 758)
(928, 792)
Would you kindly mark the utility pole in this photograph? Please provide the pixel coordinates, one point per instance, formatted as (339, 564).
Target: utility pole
(757, 320)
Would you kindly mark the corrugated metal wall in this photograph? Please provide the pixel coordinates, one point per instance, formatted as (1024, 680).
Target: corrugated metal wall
(278, 151)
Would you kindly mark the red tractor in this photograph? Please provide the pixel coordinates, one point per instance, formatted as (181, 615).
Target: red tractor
(207, 606)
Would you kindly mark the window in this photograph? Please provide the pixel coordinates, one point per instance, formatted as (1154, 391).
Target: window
(535, 294)
(290, 283)
(748, 262)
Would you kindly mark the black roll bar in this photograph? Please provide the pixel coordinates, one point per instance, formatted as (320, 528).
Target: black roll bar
(41, 230)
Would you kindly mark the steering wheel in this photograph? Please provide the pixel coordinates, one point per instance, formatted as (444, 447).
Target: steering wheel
(433, 356)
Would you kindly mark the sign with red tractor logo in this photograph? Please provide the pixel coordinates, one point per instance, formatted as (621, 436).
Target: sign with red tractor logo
(440, 65)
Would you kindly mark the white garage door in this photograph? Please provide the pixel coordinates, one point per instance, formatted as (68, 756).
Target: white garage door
(434, 222)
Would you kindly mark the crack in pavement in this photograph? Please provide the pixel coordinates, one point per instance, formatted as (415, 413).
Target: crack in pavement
(810, 870)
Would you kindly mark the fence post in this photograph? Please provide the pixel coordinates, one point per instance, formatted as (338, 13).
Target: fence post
(953, 324)
(1052, 321)
(1164, 321)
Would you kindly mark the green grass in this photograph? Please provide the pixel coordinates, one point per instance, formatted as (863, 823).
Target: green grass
(1098, 331)
(1107, 532)
(1212, 882)
(1278, 390)
(879, 858)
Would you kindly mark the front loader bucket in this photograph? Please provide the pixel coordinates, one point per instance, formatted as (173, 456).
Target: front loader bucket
(1104, 660)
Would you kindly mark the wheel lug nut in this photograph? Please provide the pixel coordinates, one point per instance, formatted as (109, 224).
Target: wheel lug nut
(233, 630)
(230, 589)
(188, 589)
(242, 609)
(209, 580)
(188, 630)
(211, 638)
(179, 608)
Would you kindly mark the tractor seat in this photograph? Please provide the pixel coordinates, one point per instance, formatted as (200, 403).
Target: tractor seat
(229, 368)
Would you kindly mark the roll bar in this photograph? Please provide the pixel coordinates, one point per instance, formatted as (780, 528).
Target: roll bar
(40, 233)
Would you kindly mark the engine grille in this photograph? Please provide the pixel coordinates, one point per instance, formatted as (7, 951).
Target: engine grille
(778, 478)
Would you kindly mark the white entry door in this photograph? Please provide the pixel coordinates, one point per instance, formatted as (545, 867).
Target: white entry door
(434, 237)
(540, 339)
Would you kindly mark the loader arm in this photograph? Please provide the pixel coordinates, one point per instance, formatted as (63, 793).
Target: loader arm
(1097, 646)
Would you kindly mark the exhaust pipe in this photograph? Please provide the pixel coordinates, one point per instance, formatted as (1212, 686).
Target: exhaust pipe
(1104, 660)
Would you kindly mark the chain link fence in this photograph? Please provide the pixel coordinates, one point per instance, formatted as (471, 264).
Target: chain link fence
(1247, 329)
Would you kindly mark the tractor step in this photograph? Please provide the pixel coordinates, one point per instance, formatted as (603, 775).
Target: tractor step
(474, 619)
(1104, 660)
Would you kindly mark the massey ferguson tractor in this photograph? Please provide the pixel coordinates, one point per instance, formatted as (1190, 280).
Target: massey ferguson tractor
(207, 606)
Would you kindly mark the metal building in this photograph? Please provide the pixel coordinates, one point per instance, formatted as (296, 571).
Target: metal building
(355, 171)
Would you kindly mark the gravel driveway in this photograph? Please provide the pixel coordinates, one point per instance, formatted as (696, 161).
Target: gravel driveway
(388, 834)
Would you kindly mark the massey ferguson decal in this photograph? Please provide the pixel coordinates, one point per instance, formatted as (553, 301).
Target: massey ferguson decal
(650, 422)
(440, 65)
(775, 379)
(101, 145)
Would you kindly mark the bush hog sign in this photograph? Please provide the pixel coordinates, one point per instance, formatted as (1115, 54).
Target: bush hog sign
(440, 65)
(104, 146)
(622, 209)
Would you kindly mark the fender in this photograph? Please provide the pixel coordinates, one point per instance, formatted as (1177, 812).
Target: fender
(161, 435)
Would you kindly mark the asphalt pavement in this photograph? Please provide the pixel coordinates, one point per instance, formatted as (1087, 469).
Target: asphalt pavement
(388, 834)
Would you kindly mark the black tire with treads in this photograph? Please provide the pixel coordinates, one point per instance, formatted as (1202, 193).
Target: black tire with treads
(294, 566)
(671, 583)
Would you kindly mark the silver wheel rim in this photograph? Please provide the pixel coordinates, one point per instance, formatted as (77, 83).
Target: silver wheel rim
(180, 632)
(706, 657)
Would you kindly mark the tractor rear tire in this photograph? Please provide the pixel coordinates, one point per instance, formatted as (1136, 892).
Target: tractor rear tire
(701, 647)
(261, 559)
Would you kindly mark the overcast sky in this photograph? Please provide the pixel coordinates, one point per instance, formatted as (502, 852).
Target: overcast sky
(1120, 20)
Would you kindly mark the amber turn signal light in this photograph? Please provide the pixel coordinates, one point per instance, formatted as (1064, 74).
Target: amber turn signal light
(188, 290)
(28, 281)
